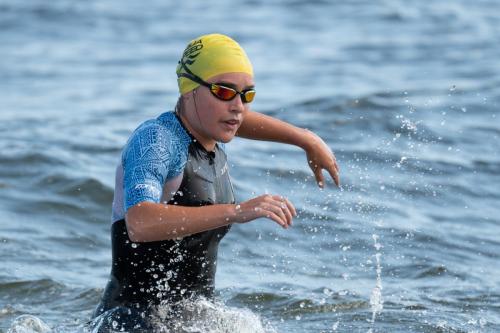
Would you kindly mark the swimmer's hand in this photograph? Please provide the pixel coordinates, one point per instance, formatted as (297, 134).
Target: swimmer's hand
(319, 157)
(273, 207)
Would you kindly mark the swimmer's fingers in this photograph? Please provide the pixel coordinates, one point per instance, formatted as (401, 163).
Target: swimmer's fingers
(281, 204)
(276, 207)
(287, 208)
(319, 157)
(286, 211)
(291, 207)
(331, 166)
(318, 174)
(272, 212)
(333, 170)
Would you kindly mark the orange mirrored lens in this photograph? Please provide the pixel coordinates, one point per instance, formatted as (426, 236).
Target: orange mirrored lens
(249, 96)
(223, 93)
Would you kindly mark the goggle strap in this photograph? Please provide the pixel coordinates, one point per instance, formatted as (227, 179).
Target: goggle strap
(195, 79)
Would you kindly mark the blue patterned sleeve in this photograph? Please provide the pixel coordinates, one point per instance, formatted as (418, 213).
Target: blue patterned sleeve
(146, 160)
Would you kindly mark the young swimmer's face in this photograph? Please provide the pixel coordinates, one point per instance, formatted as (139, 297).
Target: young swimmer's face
(219, 120)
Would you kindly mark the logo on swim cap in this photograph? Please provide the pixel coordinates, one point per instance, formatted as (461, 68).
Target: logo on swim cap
(191, 52)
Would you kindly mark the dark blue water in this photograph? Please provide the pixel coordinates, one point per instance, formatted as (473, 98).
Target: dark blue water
(406, 94)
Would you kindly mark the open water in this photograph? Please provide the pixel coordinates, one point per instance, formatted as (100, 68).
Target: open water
(405, 93)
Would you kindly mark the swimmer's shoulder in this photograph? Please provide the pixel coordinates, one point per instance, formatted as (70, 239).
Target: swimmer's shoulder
(162, 138)
(165, 131)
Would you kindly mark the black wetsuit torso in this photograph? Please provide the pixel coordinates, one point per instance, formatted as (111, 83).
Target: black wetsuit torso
(145, 274)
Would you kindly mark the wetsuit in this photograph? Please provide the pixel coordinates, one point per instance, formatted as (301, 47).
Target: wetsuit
(163, 163)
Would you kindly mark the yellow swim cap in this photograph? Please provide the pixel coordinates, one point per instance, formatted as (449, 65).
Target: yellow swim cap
(211, 55)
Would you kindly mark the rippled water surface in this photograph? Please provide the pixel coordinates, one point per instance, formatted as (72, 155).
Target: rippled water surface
(406, 95)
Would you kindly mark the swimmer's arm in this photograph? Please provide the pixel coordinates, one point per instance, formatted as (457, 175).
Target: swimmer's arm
(149, 221)
(258, 126)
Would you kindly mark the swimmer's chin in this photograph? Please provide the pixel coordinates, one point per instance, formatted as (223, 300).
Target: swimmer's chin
(226, 139)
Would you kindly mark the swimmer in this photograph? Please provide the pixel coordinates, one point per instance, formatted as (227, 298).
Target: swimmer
(173, 199)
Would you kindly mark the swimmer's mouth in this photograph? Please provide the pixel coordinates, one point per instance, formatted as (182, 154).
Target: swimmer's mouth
(232, 122)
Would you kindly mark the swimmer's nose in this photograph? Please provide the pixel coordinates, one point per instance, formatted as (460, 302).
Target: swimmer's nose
(237, 105)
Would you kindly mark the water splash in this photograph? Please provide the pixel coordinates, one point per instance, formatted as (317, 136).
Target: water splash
(202, 315)
(376, 301)
(198, 315)
(28, 324)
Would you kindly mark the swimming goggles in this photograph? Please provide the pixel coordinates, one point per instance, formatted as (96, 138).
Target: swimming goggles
(218, 90)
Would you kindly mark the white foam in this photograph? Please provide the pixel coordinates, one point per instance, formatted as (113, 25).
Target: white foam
(28, 324)
(202, 315)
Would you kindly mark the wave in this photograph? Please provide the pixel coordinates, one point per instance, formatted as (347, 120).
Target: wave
(31, 159)
(31, 290)
(85, 189)
(64, 194)
(95, 149)
(328, 301)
